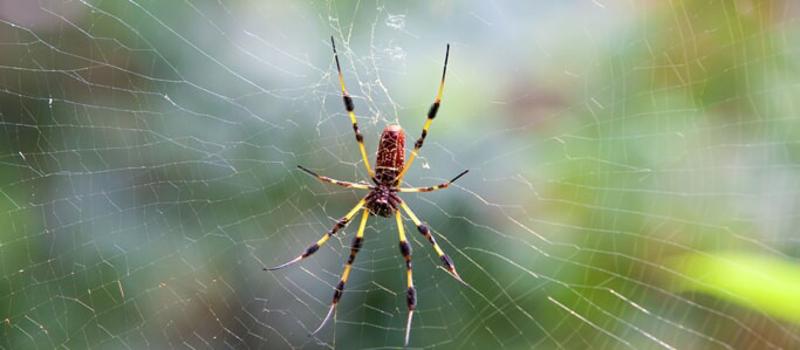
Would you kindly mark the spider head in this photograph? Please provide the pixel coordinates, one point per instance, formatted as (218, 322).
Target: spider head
(383, 201)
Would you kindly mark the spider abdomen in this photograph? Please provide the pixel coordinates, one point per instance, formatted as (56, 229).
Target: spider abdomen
(391, 155)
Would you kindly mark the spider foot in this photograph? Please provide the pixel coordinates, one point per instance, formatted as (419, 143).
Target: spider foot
(284, 264)
(455, 275)
(327, 317)
(450, 267)
(408, 326)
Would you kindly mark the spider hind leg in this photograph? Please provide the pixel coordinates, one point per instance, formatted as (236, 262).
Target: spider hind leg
(426, 232)
(355, 247)
(314, 247)
(411, 292)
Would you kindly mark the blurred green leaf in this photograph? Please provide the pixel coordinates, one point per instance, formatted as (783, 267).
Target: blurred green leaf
(756, 281)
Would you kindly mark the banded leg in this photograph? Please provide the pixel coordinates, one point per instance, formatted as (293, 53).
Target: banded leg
(314, 247)
(432, 188)
(425, 231)
(411, 292)
(350, 108)
(354, 248)
(431, 115)
(334, 181)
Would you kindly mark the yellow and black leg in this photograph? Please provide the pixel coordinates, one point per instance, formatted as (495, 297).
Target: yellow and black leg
(431, 115)
(314, 247)
(426, 232)
(354, 248)
(411, 292)
(350, 108)
(432, 188)
(334, 181)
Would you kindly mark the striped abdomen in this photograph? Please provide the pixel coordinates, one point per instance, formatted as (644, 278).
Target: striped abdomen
(391, 154)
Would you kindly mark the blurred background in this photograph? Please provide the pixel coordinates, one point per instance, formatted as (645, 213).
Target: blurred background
(633, 180)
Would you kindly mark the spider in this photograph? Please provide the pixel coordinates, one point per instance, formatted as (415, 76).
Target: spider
(382, 199)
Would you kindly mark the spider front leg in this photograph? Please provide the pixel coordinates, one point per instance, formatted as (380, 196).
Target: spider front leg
(432, 188)
(411, 292)
(354, 249)
(431, 115)
(314, 247)
(350, 108)
(426, 232)
(346, 184)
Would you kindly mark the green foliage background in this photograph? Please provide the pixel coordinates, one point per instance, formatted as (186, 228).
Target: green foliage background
(633, 184)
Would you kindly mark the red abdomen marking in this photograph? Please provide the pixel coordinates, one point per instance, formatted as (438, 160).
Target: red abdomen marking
(391, 154)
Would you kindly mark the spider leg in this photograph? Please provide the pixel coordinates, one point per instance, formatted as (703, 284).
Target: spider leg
(432, 188)
(334, 181)
(425, 231)
(350, 108)
(431, 114)
(314, 247)
(411, 292)
(354, 248)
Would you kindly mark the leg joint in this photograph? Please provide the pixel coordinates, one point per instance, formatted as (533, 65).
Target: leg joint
(338, 293)
(411, 298)
(434, 109)
(448, 263)
(339, 225)
(348, 103)
(357, 243)
(405, 249)
(311, 250)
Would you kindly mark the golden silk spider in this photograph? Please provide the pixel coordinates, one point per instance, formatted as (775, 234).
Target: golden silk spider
(382, 198)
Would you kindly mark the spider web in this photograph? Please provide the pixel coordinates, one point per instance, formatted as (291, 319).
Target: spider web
(633, 173)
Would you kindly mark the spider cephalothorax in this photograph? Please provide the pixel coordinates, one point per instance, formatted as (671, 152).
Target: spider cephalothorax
(382, 199)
